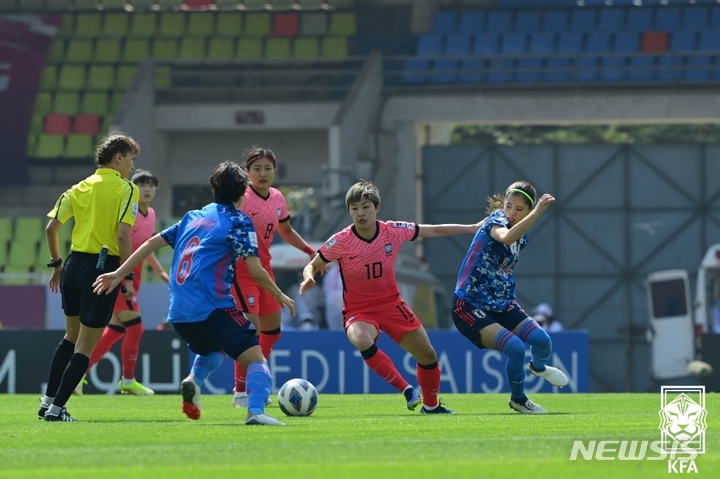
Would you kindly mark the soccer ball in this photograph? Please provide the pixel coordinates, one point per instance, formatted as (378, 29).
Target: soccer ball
(297, 397)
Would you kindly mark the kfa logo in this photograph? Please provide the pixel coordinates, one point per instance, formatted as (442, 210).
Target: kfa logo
(683, 421)
(279, 212)
(251, 300)
(388, 249)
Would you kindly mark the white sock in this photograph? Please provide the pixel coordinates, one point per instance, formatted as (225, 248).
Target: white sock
(430, 408)
(128, 382)
(54, 409)
(47, 400)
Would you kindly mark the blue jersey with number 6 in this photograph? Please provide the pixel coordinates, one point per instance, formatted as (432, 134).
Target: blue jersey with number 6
(207, 243)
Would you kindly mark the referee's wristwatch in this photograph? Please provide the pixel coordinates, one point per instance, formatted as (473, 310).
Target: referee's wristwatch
(130, 276)
(55, 263)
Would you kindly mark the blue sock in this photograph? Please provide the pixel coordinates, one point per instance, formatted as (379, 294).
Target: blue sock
(203, 366)
(258, 384)
(539, 341)
(506, 342)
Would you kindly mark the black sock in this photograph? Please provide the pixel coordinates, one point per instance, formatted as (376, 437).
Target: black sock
(74, 372)
(63, 353)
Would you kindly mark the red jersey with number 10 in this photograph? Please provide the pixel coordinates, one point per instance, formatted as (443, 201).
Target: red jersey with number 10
(367, 267)
(266, 214)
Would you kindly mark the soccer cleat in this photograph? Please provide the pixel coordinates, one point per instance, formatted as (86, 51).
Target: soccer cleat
(63, 416)
(79, 388)
(261, 419)
(191, 398)
(528, 407)
(43, 409)
(552, 375)
(134, 388)
(440, 409)
(413, 398)
(241, 400)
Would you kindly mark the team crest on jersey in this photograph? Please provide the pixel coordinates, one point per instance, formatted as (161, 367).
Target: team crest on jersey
(388, 249)
(279, 212)
(478, 313)
(330, 243)
(251, 300)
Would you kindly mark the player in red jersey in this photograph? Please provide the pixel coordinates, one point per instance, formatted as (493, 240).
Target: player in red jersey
(366, 252)
(269, 213)
(126, 323)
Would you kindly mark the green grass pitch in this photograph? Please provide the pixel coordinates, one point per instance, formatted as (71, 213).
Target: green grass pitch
(352, 436)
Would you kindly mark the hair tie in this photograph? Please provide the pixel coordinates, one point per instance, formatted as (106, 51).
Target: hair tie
(532, 202)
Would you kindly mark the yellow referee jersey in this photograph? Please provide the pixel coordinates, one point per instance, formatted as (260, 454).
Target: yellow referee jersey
(99, 203)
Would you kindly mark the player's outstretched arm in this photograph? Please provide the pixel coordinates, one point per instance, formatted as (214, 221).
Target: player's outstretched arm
(108, 281)
(509, 236)
(262, 278)
(309, 271)
(434, 231)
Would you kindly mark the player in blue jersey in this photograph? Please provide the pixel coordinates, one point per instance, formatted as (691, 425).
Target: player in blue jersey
(484, 306)
(207, 244)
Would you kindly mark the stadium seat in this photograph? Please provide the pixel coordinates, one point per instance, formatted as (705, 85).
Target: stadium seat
(67, 26)
(165, 49)
(124, 76)
(220, 48)
(192, 48)
(654, 42)
(475, 70)
(334, 47)
(701, 68)
(277, 48)
(229, 25)
(57, 51)
(443, 23)
(86, 5)
(201, 24)
(641, 65)
(58, 4)
(32, 143)
(3, 252)
(285, 25)
(254, 4)
(427, 45)
(512, 44)
(107, 50)
(257, 24)
(136, 50)
(114, 4)
(614, 67)
(715, 18)
(87, 25)
(527, 21)
(597, 42)
(49, 78)
(43, 103)
(454, 45)
(28, 228)
(101, 77)
(172, 24)
(79, 51)
(143, 25)
(472, 23)
(116, 24)
(340, 3)
(71, 77)
(499, 22)
(306, 48)
(6, 230)
(582, 21)
(116, 98)
(313, 24)
(66, 102)
(695, 18)
(95, 103)
(667, 19)
(540, 43)
(639, 19)
(57, 124)
(249, 48)
(23, 252)
(611, 20)
(226, 5)
(342, 24)
(569, 44)
(78, 146)
(31, 5)
(86, 125)
(37, 123)
(669, 66)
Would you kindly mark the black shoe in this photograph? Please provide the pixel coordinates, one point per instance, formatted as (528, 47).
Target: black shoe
(440, 409)
(62, 416)
(43, 409)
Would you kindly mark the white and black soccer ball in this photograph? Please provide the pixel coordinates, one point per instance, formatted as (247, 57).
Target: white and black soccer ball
(298, 397)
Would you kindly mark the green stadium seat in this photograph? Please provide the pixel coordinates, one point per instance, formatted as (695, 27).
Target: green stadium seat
(282, 4)
(3, 252)
(43, 103)
(36, 123)
(116, 24)
(67, 26)
(66, 102)
(226, 5)
(79, 146)
(163, 78)
(306, 48)
(107, 50)
(313, 24)
(101, 77)
(57, 51)
(192, 48)
(7, 5)
(342, 24)
(31, 5)
(143, 25)
(114, 4)
(201, 24)
(254, 4)
(333, 47)
(172, 24)
(23, 252)
(165, 49)
(50, 146)
(88, 25)
(79, 51)
(277, 48)
(166, 4)
(6, 230)
(249, 48)
(28, 228)
(340, 3)
(94, 103)
(107, 122)
(257, 24)
(58, 4)
(220, 48)
(16, 281)
(125, 75)
(87, 5)
(115, 100)
(32, 144)
(136, 50)
(72, 77)
(229, 25)
(143, 4)
(49, 78)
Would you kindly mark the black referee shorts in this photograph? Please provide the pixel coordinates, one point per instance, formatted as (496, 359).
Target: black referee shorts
(76, 289)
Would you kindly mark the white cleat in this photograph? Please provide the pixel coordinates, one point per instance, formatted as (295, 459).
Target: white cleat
(241, 400)
(528, 408)
(261, 420)
(552, 375)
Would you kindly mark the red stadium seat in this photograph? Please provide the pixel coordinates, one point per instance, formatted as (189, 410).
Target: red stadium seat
(86, 125)
(198, 4)
(285, 25)
(57, 124)
(656, 41)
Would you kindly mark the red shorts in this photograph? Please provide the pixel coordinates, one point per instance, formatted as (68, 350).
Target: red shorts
(132, 304)
(396, 318)
(254, 300)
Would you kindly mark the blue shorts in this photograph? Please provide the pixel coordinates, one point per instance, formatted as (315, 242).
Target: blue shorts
(470, 319)
(226, 330)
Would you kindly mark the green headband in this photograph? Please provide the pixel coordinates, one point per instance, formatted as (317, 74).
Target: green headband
(532, 203)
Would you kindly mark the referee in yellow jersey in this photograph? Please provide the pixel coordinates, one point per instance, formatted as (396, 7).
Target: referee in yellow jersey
(104, 206)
